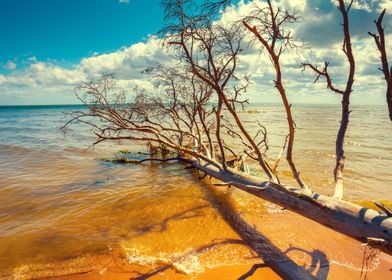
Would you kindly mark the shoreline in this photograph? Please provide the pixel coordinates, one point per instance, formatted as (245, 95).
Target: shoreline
(319, 251)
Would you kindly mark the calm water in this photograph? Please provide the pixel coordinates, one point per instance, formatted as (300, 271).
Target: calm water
(65, 210)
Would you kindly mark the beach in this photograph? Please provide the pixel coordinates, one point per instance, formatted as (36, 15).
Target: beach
(320, 252)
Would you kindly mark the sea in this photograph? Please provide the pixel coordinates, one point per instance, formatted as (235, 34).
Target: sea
(66, 208)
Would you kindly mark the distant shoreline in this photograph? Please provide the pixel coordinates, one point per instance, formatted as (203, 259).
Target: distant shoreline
(249, 105)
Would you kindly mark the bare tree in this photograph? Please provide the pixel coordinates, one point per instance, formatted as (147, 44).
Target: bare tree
(211, 51)
(165, 122)
(269, 26)
(199, 99)
(345, 92)
(193, 111)
(379, 39)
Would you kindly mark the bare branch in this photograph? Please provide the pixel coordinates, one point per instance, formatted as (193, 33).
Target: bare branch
(323, 73)
(269, 28)
(379, 40)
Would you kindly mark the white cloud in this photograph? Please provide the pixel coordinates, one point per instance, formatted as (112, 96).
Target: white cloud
(296, 5)
(50, 81)
(385, 4)
(128, 62)
(32, 59)
(124, 1)
(367, 5)
(324, 25)
(10, 65)
(47, 79)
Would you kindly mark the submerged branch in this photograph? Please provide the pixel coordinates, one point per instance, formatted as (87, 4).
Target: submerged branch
(126, 160)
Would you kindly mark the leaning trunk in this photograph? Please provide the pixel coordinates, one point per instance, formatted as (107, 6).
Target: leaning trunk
(360, 223)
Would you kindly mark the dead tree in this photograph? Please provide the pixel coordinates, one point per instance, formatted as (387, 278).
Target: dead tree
(211, 52)
(379, 39)
(193, 103)
(345, 92)
(268, 26)
(171, 120)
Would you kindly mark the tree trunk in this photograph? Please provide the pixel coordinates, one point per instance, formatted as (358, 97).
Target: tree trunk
(340, 156)
(389, 96)
(347, 218)
(380, 43)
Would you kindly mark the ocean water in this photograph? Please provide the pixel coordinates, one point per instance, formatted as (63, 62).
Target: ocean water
(64, 209)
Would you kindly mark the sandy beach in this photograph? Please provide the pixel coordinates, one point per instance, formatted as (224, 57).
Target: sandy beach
(297, 243)
(323, 254)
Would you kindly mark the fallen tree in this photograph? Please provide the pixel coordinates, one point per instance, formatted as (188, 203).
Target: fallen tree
(193, 116)
(365, 225)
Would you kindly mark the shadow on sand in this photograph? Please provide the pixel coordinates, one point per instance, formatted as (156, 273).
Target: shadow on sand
(266, 251)
(199, 250)
(270, 254)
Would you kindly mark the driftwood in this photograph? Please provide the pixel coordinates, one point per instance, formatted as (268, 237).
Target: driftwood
(360, 223)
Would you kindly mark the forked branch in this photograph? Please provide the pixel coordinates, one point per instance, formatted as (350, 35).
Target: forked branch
(268, 26)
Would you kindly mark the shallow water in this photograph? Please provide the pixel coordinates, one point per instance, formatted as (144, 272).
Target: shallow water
(65, 210)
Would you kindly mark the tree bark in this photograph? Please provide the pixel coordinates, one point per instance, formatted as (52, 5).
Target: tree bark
(389, 97)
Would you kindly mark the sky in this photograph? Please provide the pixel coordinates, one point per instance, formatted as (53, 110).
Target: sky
(68, 30)
(50, 46)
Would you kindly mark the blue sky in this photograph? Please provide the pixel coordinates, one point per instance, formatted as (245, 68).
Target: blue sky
(50, 46)
(68, 30)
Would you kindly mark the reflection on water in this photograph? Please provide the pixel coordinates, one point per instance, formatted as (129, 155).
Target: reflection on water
(64, 210)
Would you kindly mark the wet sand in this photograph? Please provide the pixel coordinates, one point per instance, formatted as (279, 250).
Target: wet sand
(258, 271)
(279, 239)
